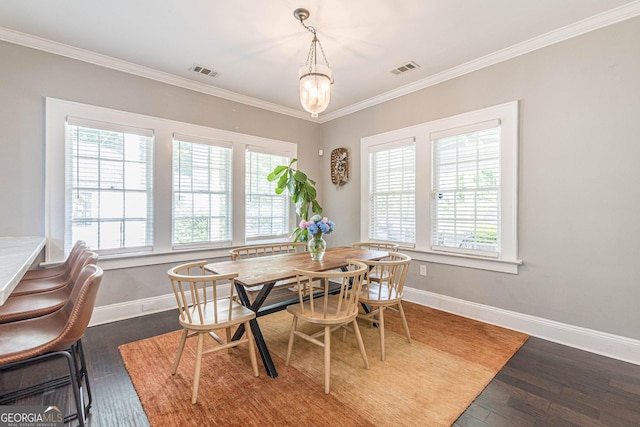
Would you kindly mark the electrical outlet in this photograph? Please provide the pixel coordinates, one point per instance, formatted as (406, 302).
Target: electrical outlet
(146, 306)
(423, 270)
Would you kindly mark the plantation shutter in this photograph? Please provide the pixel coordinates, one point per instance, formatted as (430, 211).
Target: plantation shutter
(109, 186)
(267, 213)
(202, 200)
(392, 169)
(466, 189)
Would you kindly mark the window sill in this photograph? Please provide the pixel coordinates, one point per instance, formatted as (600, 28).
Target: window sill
(131, 260)
(116, 262)
(469, 261)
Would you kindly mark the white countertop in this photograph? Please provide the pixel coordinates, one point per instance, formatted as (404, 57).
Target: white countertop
(16, 256)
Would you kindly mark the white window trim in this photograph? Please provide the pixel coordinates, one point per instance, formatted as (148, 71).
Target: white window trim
(507, 113)
(58, 110)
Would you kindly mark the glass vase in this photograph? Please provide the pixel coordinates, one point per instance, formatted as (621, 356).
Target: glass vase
(316, 247)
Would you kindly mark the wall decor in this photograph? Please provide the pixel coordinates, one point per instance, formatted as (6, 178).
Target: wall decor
(339, 166)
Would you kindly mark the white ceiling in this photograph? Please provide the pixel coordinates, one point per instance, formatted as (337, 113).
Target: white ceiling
(257, 46)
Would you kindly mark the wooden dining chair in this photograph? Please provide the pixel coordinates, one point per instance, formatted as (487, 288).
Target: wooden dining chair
(337, 307)
(281, 289)
(202, 309)
(385, 291)
(265, 250)
(378, 246)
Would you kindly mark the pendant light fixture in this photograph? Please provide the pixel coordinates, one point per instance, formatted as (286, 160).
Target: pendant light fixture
(315, 79)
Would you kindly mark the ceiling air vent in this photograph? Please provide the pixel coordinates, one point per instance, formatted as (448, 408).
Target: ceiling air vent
(405, 67)
(203, 70)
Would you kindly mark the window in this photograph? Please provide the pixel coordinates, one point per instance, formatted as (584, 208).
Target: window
(462, 206)
(143, 190)
(392, 193)
(202, 195)
(109, 186)
(267, 213)
(466, 190)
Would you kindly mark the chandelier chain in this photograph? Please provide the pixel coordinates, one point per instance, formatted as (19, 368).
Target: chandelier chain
(322, 51)
(311, 57)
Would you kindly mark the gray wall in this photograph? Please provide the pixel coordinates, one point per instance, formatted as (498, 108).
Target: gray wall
(579, 171)
(579, 177)
(27, 76)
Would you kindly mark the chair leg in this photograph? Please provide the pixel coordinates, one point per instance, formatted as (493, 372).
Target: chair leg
(228, 332)
(83, 374)
(183, 339)
(196, 371)
(252, 348)
(381, 327)
(327, 358)
(356, 330)
(291, 336)
(404, 322)
(75, 382)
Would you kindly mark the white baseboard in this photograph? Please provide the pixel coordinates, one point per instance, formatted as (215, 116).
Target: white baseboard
(126, 310)
(141, 307)
(614, 346)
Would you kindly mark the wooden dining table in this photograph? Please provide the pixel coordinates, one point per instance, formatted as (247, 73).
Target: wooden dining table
(265, 271)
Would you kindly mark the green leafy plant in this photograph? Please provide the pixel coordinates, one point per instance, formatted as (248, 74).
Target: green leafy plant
(302, 191)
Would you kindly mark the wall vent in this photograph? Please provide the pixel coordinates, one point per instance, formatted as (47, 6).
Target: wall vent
(200, 69)
(405, 67)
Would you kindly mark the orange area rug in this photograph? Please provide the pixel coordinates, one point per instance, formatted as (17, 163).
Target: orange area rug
(428, 382)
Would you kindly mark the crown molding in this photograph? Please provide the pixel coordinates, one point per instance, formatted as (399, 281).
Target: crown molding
(61, 49)
(613, 16)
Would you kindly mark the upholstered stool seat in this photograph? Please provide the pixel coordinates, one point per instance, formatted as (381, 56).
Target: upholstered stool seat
(46, 284)
(27, 306)
(60, 269)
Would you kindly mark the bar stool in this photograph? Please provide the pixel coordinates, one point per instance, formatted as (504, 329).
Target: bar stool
(45, 284)
(37, 304)
(60, 269)
(55, 335)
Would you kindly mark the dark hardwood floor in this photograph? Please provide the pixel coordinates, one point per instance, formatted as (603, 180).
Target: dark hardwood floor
(544, 384)
(548, 384)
